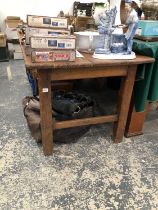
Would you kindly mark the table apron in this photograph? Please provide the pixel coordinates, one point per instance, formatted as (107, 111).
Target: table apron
(87, 73)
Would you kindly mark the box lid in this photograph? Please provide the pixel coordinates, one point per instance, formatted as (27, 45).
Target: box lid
(13, 23)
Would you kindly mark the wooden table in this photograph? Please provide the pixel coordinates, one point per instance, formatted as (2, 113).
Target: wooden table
(136, 117)
(83, 68)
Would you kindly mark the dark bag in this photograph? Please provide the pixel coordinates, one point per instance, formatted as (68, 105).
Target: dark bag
(31, 109)
(71, 105)
(66, 110)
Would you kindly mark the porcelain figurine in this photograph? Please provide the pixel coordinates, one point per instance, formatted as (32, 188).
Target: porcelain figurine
(112, 44)
(105, 29)
(131, 23)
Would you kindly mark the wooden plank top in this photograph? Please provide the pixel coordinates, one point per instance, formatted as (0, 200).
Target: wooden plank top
(114, 62)
(79, 62)
(86, 61)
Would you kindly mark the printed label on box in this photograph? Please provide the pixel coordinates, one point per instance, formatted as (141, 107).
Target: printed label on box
(32, 31)
(46, 22)
(54, 55)
(56, 42)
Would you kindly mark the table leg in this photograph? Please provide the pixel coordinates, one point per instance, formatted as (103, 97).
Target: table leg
(124, 99)
(135, 120)
(44, 85)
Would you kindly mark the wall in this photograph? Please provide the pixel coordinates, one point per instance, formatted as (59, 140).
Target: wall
(37, 7)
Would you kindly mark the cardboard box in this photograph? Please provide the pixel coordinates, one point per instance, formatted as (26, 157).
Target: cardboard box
(47, 22)
(15, 51)
(13, 18)
(45, 31)
(11, 24)
(2, 40)
(53, 55)
(13, 21)
(14, 47)
(11, 33)
(82, 23)
(18, 56)
(147, 28)
(53, 42)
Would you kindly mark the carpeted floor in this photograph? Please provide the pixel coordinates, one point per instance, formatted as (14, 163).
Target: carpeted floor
(90, 174)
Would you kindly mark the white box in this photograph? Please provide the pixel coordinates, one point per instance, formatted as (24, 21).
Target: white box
(87, 40)
(11, 33)
(53, 42)
(10, 27)
(17, 47)
(45, 31)
(14, 47)
(18, 56)
(47, 22)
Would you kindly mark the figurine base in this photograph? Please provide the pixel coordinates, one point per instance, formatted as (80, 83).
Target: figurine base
(119, 56)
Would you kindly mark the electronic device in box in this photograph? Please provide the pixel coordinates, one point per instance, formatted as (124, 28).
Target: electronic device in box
(53, 55)
(53, 42)
(43, 31)
(47, 22)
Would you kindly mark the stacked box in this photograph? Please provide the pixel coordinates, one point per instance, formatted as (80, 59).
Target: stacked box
(45, 31)
(11, 24)
(53, 55)
(49, 39)
(64, 42)
(47, 22)
(53, 48)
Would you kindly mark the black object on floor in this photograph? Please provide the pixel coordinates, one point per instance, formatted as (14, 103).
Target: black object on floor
(4, 54)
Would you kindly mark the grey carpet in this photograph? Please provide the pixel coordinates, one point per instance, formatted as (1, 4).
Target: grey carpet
(91, 174)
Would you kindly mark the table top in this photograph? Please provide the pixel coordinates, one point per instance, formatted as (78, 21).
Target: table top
(86, 61)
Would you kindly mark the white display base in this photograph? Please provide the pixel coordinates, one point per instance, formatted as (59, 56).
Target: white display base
(118, 56)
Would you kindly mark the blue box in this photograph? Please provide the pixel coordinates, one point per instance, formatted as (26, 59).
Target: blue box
(147, 28)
